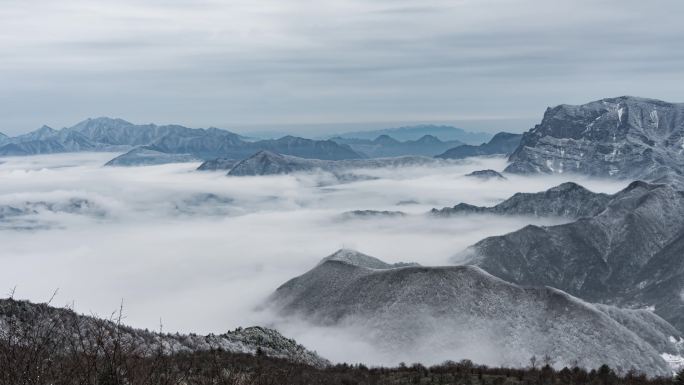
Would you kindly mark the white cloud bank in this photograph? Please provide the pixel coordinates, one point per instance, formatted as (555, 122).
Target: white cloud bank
(203, 263)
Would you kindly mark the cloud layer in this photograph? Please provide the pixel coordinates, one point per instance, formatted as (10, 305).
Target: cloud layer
(202, 251)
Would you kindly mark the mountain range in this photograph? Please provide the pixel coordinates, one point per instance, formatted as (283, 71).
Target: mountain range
(387, 146)
(412, 133)
(566, 200)
(502, 143)
(269, 163)
(624, 137)
(106, 134)
(416, 311)
(625, 249)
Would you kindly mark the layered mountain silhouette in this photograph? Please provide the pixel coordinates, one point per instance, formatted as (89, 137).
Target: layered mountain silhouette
(623, 137)
(386, 146)
(502, 143)
(411, 309)
(269, 163)
(442, 132)
(626, 251)
(106, 134)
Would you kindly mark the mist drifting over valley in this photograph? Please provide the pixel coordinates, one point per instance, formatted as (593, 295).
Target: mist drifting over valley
(203, 251)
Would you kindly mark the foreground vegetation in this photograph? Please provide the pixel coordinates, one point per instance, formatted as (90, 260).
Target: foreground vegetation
(40, 348)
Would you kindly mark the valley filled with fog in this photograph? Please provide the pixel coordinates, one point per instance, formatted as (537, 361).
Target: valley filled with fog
(202, 251)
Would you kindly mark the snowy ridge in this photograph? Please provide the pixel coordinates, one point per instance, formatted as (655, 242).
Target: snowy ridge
(462, 309)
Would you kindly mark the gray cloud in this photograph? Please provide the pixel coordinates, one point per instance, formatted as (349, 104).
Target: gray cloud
(237, 64)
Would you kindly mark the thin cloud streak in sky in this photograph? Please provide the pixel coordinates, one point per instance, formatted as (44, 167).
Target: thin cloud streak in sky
(236, 63)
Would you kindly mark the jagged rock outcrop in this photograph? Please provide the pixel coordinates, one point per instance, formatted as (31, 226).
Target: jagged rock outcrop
(269, 163)
(148, 156)
(386, 146)
(626, 254)
(568, 200)
(486, 175)
(624, 137)
(502, 143)
(462, 310)
(24, 318)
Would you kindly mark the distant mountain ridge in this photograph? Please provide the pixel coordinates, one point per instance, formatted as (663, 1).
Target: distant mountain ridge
(415, 309)
(624, 137)
(386, 146)
(270, 163)
(107, 134)
(565, 200)
(503, 143)
(444, 133)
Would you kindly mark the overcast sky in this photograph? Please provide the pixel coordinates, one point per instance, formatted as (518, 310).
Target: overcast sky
(254, 65)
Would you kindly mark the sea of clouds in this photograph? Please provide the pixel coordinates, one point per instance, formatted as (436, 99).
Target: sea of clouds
(202, 251)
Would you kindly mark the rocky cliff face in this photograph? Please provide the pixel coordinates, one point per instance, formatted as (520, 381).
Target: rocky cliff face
(463, 308)
(624, 254)
(624, 137)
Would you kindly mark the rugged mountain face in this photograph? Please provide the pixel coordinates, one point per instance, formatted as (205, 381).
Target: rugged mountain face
(617, 256)
(502, 143)
(386, 146)
(269, 163)
(3, 137)
(444, 133)
(568, 200)
(147, 156)
(19, 317)
(624, 137)
(464, 309)
(218, 164)
(486, 175)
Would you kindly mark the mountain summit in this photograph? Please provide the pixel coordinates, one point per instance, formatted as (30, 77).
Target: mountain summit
(623, 137)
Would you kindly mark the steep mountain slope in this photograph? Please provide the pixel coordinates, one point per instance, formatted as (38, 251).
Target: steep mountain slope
(147, 156)
(624, 137)
(269, 163)
(3, 137)
(386, 146)
(464, 309)
(19, 318)
(502, 143)
(610, 257)
(565, 200)
(444, 133)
